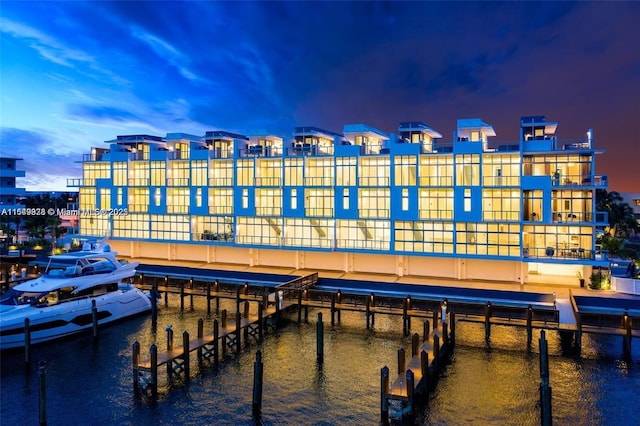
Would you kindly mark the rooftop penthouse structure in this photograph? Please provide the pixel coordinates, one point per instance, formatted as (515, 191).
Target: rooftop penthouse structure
(405, 203)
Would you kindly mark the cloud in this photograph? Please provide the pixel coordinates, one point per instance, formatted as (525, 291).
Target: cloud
(46, 167)
(48, 47)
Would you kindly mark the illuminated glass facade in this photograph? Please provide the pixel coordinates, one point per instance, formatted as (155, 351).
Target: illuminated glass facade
(405, 194)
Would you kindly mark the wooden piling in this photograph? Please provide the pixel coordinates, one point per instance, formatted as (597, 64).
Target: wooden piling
(578, 332)
(408, 316)
(545, 388)
(217, 290)
(166, 293)
(405, 332)
(415, 344)
(384, 391)
(445, 334)
(200, 336)
(94, 318)
(169, 348)
(487, 321)
(367, 311)
(305, 295)
(260, 321)
(42, 395)
(216, 336)
(185, 355)
(181, 295)
(424, 367)
(320, 339)
(434, 318)
(208, 299)
(258, 369)
(299, 306)
(339, 302)
(27, 342)
(136, 372)
(224, 318)
(529, 328)
(245, 313)
(372, 313)
(333, 310)
(426, 330)
(238, 329)
(154, 370)
(452, 332)
(411, 395)
(191, 294)
(626, 339)
(401, 360)
(436, 350)
(154, 305)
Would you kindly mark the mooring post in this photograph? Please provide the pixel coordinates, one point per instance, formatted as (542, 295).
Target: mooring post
(217, 291)
(42, 381)
(306, 305)
(424, 367)
(208, 299)
(529, 328)
(299, 306)
(452, 318)
(200, 336)
(408, 315)
(320, 339)
(578, 332)
(27, 342)
(245, 314)
(94, 318)
(626, 339)
(216, 336)
(487, 321)
(260, 321)
(154, 305)
(154, 370)
(434, 318)
(426, 330)
(181, 295)
(405, 332)
(415, 344)
(445, 334)
(339, 302)
(367, 311)
(384, 391)
(545, 389)
(185, 354)
(436, 351)
(258, 369)
(265, 297)
(191, 294)
(238, 331)
(411, 394)
(401, 360)
(373, 311)
(166, 290)
(136, 372)
(224, 318)
(333, 310)
(169, 330)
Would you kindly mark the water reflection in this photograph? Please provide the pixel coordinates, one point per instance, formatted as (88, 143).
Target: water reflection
(493, 382)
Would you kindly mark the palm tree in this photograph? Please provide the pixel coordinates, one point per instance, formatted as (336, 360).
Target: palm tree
(622, 222)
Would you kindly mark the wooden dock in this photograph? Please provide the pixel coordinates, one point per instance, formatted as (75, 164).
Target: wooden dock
(210, 348)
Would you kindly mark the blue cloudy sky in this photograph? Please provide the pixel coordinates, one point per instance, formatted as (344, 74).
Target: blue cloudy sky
(74, 74)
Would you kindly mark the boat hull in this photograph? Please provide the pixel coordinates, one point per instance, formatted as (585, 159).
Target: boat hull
(54, 322)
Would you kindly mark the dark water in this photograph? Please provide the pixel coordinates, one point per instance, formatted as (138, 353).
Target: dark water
(91, 384)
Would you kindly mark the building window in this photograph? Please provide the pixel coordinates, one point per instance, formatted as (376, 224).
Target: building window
(199, 197)
(156, 197)
(374, 171)
(363, 234)
(170, 227)
(405, 199)
(501, 204)
(374, 203)
(424, 237)
(220, 173)
(467, 200)
(119, 195)
(318, 202)
(199, 173)
(436, 170)
(468, 170)
(178, 200)
(178, 173)
(436, 203)
(294, 199)
(268, 201)
(404, 170)
(245, 198)
(158, 173)
(345, 199)
(346, 171)
(220, 201)
(105, 198)
(309, 233)
(245, 172)
(119, 173)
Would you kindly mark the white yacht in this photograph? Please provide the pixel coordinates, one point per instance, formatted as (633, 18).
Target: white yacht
(59, 302)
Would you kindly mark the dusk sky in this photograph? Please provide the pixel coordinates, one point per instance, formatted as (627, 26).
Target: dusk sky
(75, 74)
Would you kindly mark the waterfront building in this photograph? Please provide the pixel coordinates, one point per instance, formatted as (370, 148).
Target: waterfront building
(9, 193)
(405, 203)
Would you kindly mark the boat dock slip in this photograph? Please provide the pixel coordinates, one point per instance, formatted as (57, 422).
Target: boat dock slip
(414, 378)
(208, 347)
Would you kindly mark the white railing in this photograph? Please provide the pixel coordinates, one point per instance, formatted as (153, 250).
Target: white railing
(625, 285)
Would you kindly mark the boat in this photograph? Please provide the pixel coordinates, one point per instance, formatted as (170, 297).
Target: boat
(60, 301)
